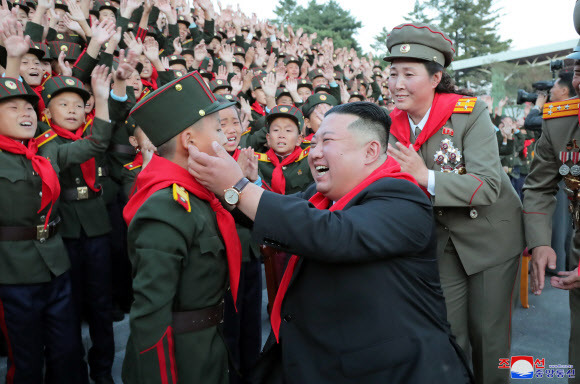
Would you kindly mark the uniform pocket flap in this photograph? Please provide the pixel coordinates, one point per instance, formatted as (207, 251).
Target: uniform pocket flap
(211, 244)
(13, 175)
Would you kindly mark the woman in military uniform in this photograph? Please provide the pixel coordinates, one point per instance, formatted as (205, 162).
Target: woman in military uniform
(448, 143)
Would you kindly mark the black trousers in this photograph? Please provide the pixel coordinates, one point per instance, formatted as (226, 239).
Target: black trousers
(243, 330)
(121, 266)
(39, 324)
(91, 286)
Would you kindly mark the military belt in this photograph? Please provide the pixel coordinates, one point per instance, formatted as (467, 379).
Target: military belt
(193, 321)
(121, 148)
(30, 233)
(80, 193)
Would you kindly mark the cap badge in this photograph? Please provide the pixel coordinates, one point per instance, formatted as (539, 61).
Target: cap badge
(229, 97)
(283, 109)
(285, 90)
(405, 48)
(219, 81)
(178, 74)
(322, 97)
(107, 3)
(70, 82)
(64, 48)
(201, 112)
(10, 84)
(178, 88)
(60, 36)
(173, 57)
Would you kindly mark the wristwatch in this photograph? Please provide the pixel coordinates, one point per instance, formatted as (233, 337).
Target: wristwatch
(232, 194)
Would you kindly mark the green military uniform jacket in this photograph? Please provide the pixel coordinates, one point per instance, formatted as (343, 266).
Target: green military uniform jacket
(297, 174)
(90, 214)
(34, 261)
(541, 185)
(179, 264)
(479, 211)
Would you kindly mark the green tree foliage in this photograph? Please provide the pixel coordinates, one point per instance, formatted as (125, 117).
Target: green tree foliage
(379, 44)
(327, 20)
(419, 13)
(471, 24)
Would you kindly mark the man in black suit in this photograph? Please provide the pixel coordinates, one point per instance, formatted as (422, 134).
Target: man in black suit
(362, 302)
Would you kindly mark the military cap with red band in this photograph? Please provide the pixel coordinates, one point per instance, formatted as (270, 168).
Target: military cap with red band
(420, 41)
(171, 109)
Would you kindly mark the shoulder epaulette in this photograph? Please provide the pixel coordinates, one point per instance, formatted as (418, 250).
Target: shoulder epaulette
(262, 157)
(247, 131)
(45, 137)
(187, 41)
(131, 167)
(465, 105)
(182, 197)
(45, 78)
(561, 109)
(303, 154)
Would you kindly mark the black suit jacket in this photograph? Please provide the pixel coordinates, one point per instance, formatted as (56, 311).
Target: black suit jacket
(364, 304)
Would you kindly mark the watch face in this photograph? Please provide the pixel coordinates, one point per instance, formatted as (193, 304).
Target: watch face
(231, 196)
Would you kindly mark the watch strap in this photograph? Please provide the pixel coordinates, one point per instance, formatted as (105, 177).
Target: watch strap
(241, 184)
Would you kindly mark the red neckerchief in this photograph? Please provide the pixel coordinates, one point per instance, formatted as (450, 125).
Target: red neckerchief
(161, 173)
(441, 111)
(236, 154)
(278, 183)
(152, 82)
(88, 168)
(308, 138)
(42, 166)
(257, 107)
(527, 143)
(390, 168)
(40, 106)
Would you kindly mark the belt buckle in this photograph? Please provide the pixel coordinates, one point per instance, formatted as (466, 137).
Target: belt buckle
(82, 193)
(41, 233)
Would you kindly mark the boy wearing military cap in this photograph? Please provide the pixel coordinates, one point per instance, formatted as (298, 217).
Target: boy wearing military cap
(177, 63)
(242, 322)
(304, 89)
(86, 224)
(356, 96)
(292, 67)
(284, 167)
(176, 227)
(313, 110)
(284, 97)
(220, 87)
(38, 318)
(448, 143)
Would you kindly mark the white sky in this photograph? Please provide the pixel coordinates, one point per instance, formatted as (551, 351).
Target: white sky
(528, 23)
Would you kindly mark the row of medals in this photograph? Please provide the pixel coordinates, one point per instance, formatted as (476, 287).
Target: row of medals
(574, 170)
(449, 158)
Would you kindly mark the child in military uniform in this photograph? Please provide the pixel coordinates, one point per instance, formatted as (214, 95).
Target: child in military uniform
(178, 238)
(85, 220)
(314, 109)
(242, 328)
(37, 315)
(284, 166)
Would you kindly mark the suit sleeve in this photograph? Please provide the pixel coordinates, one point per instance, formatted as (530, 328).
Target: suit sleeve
(393, 219)
(481, 184)
(540, 191)
(156, 272)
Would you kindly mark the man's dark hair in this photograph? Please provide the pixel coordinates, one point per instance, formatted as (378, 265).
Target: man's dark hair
(371, 118)
(566, 81)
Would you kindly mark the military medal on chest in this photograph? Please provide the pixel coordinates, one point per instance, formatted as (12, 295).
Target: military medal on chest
(448, 157)
(571, 155)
